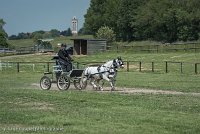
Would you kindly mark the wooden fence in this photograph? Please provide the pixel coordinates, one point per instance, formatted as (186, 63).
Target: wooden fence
(130, 66)
(184, 47)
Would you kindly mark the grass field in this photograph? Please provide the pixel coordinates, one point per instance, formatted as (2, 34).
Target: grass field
(187, 81)
(29, 42)
(26, 109)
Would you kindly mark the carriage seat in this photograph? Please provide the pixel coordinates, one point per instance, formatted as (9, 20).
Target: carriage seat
(57, 67)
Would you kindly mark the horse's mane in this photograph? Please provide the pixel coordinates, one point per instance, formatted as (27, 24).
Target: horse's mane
(108, 63)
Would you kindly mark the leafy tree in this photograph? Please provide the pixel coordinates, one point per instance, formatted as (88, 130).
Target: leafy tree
(24, 35)
(47, 35)
(3, 34)
(67, 32)
(55, 33)
(191, 25)
(127, 10)
(161, 20)
(106, 33)
(2, 23)
(37, 36)
(111, 14)
(3, 40)
(115, 14)
(165, 20)
(81, 31)
(20, 36)
(94, 18)
(13, 37)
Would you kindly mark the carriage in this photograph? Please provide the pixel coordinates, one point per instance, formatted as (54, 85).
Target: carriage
(62, 79)
(79, 77)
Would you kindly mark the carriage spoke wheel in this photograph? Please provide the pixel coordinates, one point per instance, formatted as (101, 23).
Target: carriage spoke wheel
(45, 83)
(63, 82)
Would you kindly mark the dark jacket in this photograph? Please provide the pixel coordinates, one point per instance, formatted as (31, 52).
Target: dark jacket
(64, 57)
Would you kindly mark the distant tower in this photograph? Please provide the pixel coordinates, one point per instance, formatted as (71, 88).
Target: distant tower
(74, 26)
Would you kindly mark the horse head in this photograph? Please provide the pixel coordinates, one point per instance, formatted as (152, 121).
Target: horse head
(118, 63)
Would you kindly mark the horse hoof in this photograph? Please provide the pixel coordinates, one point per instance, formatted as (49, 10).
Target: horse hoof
(100, 89)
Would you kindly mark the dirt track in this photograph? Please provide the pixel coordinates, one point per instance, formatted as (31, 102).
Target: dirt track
(126, 90)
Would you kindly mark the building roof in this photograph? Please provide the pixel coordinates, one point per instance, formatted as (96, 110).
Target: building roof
(84, 39)
(45, 40)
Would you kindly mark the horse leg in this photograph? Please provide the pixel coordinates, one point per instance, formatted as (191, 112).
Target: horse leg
(103, 82)
(110, 81)
(99, 85)
(113, 84)
(93, 84)
(84, 82)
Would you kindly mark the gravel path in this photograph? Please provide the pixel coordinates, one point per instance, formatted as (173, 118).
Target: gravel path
(124, 90)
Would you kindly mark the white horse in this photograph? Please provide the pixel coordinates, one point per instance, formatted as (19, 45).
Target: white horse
(107, 71)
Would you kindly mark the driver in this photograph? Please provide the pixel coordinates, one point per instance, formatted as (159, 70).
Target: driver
(64, 59)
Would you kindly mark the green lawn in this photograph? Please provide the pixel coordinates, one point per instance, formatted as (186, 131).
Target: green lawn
(171, 81)
(26, 109)
(92, 112)
(187, 81)
(144, 57)
(29, 42)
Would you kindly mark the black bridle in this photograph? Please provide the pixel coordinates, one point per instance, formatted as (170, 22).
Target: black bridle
(118, 63)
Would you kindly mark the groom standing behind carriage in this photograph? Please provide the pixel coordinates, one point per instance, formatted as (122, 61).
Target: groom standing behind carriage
(64, 59)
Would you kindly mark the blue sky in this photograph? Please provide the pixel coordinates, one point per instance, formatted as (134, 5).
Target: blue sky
(33, 15)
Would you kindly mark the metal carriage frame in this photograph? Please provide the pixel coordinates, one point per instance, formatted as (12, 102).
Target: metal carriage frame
(62, 79)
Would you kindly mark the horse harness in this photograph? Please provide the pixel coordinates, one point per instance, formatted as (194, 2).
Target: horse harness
(111, 70)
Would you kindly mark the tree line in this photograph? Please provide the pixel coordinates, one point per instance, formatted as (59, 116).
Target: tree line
(41, 34)
(159, 20)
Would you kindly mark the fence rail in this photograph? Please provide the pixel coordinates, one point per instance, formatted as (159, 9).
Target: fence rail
(130, 66)
(156, 48)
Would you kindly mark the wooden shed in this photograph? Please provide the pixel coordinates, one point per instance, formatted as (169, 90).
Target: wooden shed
(88, 46)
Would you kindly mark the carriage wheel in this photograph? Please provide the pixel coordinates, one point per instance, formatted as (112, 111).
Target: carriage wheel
(45, 83)
(63, 82)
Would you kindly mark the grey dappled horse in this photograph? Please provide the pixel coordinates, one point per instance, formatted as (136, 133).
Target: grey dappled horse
(107, 71)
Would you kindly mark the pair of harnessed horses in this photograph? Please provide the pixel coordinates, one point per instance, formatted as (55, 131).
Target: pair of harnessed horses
(107, 71)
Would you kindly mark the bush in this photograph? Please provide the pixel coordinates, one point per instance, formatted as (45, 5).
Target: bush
(106, 33)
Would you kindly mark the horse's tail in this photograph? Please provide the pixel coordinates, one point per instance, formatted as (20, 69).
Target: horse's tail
(84, 78)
